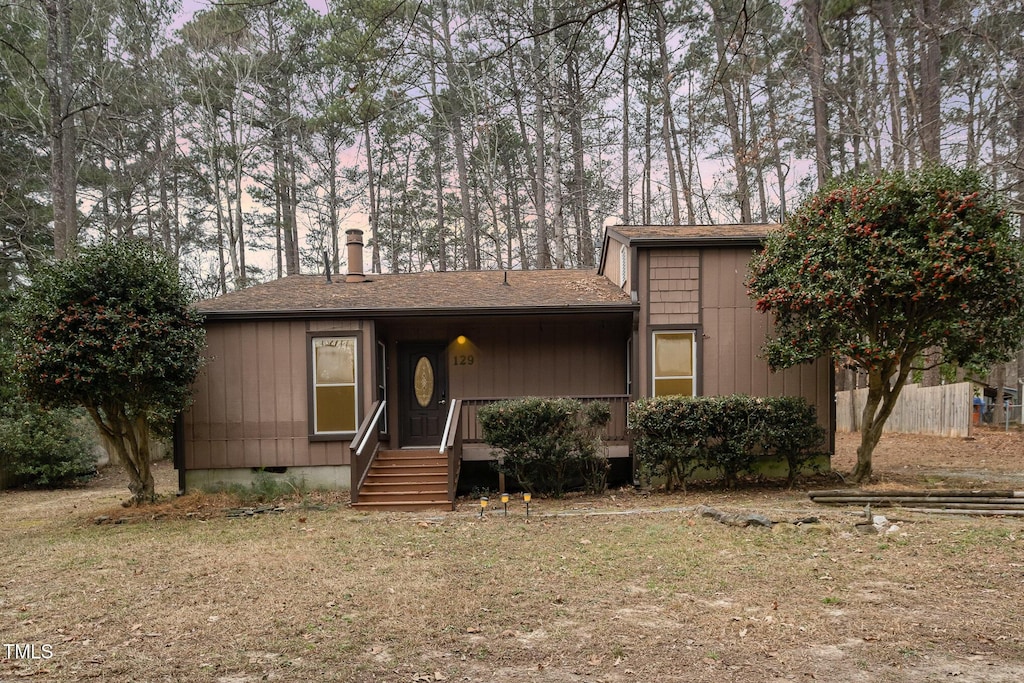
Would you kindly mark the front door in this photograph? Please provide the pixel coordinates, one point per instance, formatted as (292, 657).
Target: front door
(423, 385)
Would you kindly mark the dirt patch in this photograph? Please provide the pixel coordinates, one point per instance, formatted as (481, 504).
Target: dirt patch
(622, 587)
(989, 457)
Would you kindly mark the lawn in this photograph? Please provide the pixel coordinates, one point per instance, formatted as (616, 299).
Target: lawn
(624, 587)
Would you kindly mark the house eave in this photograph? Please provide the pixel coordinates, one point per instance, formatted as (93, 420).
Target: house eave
(349, 313)
(703, 241)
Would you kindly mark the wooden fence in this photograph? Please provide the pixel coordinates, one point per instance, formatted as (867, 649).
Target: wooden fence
(943, 410)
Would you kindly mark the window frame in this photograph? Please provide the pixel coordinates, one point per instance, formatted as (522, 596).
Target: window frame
(694, 355)
(312, 428)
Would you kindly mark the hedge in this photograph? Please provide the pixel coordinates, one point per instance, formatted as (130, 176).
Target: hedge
(674, 436)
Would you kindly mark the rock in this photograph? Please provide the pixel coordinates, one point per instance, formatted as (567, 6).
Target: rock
(741, 519)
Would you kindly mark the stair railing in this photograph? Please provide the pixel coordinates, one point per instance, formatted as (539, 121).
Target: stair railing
(365, 445)
(451, 444)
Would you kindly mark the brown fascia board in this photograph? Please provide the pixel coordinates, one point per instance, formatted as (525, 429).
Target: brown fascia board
(604, 252)
(673, 241)
(315, 313)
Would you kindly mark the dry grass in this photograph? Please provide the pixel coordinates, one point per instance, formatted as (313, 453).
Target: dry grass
(618, 588)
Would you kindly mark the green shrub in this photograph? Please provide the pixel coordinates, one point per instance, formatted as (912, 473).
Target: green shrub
(547, 442)
(38, 448)
(790, 429)
(670, 436)
(675, 435)
(735, 433)
(43, 448)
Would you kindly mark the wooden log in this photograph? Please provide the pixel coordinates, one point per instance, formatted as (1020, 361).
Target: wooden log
(982, 513)
(901, 500)
(965, 493)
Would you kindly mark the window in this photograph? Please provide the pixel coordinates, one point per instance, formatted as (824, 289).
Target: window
(335, 404)
(674, 363)
(623, 269)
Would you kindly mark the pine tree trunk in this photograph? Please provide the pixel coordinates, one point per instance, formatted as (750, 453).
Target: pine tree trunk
(929, 92)
(59, 76)
(666, 112)
(815, 57)
(625, 125)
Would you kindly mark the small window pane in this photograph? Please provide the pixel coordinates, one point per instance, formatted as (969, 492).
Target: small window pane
(673, 354)
(672, 387)
(335, 361)
(336, 409)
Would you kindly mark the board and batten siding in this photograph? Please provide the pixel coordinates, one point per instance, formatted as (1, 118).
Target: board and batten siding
(612, 265)
(524, 356)
(251, 398)
(702, 289)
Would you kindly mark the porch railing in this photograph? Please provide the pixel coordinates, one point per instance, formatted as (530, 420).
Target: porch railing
(614, 432)
(451, 445)
(365, 445)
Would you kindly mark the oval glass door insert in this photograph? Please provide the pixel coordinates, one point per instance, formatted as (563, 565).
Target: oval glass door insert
(423, 381)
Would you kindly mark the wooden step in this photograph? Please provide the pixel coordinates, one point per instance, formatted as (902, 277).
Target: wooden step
(392, 458)
(408, 506)
(413, 486)
(426, 495)
(409, 479)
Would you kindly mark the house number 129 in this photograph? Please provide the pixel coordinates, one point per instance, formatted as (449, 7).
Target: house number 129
(464, 360)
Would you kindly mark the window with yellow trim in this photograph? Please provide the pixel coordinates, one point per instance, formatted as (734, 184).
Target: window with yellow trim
(335, 404)
(675, 360)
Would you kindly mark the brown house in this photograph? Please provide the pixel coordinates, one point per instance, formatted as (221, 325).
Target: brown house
(373, 383)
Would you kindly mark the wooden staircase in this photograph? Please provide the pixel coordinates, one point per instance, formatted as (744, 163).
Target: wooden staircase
(410, 480)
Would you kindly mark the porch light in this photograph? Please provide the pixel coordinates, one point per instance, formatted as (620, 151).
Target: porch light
(504, 502)
(483, 505)
(526, 499)
(460, 340)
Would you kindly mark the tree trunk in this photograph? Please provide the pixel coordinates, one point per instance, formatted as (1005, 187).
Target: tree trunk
(666, 112)
(647, 201)
(63, 187)
(332, 188)
(882, 397)
(130, 438)
(888, 22)
(625, 126)
(929, 92)
(736, 137)
(815, 57)
(371, 180)
(539, 160)
(585, 245)
(435, 137)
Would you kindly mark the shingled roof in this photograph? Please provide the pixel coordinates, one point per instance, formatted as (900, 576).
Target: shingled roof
(429, 292)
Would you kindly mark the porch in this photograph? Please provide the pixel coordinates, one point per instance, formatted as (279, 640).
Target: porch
(428, 478)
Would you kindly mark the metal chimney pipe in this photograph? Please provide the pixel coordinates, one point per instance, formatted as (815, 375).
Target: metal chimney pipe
(354, 243)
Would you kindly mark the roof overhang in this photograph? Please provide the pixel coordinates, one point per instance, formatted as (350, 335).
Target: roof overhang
(369, 314)
(686, 241)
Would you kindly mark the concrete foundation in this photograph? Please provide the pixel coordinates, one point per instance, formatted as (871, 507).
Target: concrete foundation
(323, 477)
